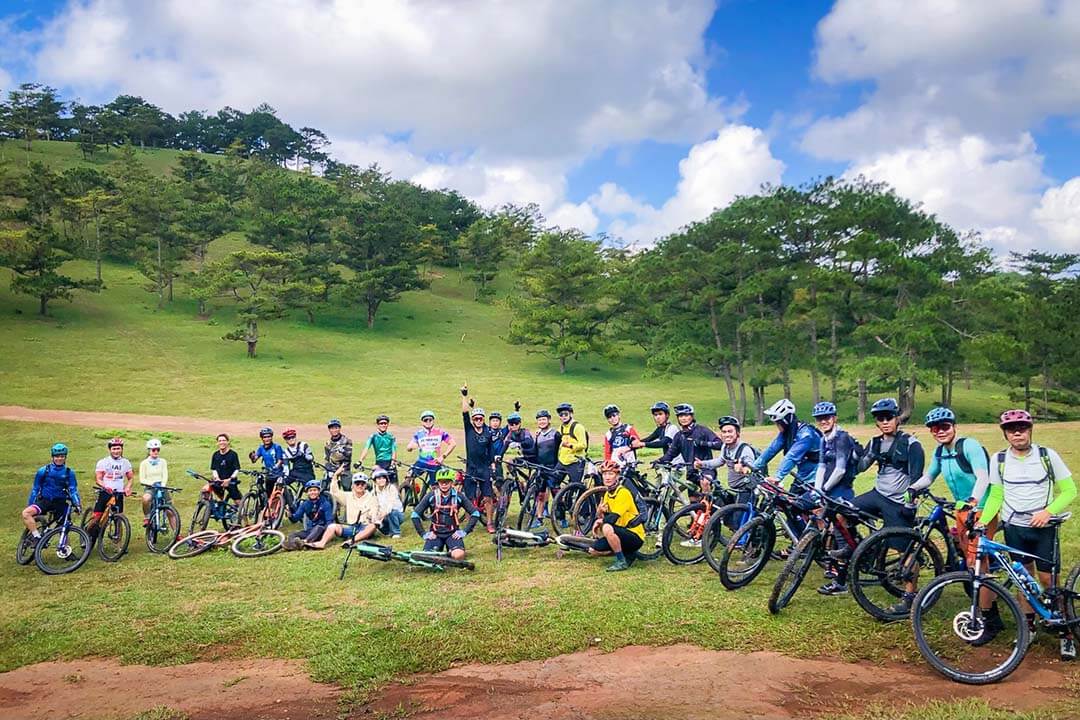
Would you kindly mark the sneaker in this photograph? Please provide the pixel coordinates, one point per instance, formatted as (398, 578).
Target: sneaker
(902, 607)
(840, 553)
(491, 529)
(617, 566)
(992, 626)
(833, 588)
(396, 537)
(537, 523)
(1068, 648)
(691, 543)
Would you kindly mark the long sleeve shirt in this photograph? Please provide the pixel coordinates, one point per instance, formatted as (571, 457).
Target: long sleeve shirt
(801, 456)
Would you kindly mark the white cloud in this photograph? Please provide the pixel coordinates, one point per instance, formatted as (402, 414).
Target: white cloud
(1058, 213)
(735, 162)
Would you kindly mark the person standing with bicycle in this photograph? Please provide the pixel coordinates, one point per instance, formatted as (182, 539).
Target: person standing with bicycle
(383, 444)
(432, 445)
(548, 444)
(479, 457)
(338, 456)
(445, 535)
(225, 472)
(692, 442)
(273, 459)
(836, 470)
(1024, 478)
(619, 439)
(298, 458)
(114, 475)
(800, 443)
(54, 486)
(153, 472)
(663, 433)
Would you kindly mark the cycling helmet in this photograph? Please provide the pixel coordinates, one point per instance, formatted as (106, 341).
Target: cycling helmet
(729, 420)
(477, 412)
(940, 415)
(608, 466)
(113, 442)
(313, 484)
(445, 474)
(376, 473)
(289, 433)
(885, 406)
(1010, 417)
(153, 444)
(660, 406)
(543, 413)
(427, 414)
(382, 418)
(513, 417)
(564, 407)
(823, 409)
(495, 414)
(332, 422)
(362, 479)
(610, 410)
(59, 449)
(266, 432)
(684, 409)
(782, 411)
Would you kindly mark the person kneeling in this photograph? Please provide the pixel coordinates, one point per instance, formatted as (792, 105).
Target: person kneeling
(444, 500)
(316, 512)
(618, 525)
(362, 516)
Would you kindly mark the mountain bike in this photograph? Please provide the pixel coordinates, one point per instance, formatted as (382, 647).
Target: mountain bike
(838, 515)
(516, 481)
(162, 520)
(684, 538)
(418, 558)
(885, 564)
(949, 623)
(114, 529)
(538, 501)
(564, 501)
(414, 487)
(64, 547)
(255, 540)
(211, 507)
(255, 499)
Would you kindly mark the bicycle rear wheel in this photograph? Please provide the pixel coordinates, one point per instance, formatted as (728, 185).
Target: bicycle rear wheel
(443, 560)
(114, 536)
(201, 517)
(562, 507)
(684, 535)
(795, 569)
(24, 551)
(654, 530)
(747, 553)
(885, 563)
(194, 544)
(62, 550)
(251, 508)
(258, 544)
(162, 529)
(531, 509)
(949, 629)
(583, 514)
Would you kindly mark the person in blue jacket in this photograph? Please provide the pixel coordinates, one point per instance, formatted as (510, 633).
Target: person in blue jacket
(800, 443)
(54, 484)
(316, 512)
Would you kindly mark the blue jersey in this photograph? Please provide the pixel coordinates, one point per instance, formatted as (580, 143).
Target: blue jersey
(802, 449)
(54, 482)
(271, 458)
(498, 440)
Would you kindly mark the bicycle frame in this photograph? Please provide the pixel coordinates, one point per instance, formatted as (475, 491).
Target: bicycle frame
(1000, 553)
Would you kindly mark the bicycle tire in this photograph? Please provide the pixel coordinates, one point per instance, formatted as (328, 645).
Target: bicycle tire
(528, 512)
(70, 565)
(194, 544)
(265, 542)
(1072, 606)
(562, 504)
(443, 560)
(251, 508)
(725, 521)
(877, 562)
(794, 570)
(114, 537)
(654, 529)
(754, 540)
(200, 519)
(163, 529)
(24, 551)
(583, 514)
(930, 597)
(675, 535)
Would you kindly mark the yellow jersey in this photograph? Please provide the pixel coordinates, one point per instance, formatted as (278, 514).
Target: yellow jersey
(621, 503)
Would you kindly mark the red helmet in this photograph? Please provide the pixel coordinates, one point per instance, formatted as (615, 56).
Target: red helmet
(609, 466)
(1010, 417)
(115, 441)
(289, 433)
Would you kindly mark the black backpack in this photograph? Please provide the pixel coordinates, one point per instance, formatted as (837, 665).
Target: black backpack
(573, 426)
(959, 456)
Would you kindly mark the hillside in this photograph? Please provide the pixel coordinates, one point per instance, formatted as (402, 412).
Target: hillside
(61, 156)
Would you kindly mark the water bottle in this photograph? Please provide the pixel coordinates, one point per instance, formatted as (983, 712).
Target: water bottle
(1027, 582)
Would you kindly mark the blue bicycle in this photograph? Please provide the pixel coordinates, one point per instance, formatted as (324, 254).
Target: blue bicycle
(955, 629)
(64, 548)
(211, 506)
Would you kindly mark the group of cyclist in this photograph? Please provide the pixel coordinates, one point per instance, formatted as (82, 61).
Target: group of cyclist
(1019, 487)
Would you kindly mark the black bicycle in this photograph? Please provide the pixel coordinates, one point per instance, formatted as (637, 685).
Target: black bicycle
(212, 507)
(64, 547)
(162, 521)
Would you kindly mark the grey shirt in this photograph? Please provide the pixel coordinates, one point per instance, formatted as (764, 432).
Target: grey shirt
(741, 453)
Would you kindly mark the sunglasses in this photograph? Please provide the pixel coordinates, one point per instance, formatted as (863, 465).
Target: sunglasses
(940, 427)
(155, 449)
(1016, 428)
(383, 422)
(884, 418)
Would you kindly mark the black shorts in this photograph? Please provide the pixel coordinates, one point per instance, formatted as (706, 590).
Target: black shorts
(573, 472)
(222, 489)
(444, 543)
(103, 500)
(893, 514)
(53, 509)
(1037, 541)
(478, 479)
(630, 541)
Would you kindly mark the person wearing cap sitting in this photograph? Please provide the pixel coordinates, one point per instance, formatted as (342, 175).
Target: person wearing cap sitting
(393, 512)
(362, 516)
(432, 446)
(315, 511)
(619, 527)
(479, 458)
(443, 501)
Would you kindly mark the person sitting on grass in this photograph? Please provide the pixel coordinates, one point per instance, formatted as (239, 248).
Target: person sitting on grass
(362, 516)
(618, 525)
(444, 500)
(315, 512)
(390, 507)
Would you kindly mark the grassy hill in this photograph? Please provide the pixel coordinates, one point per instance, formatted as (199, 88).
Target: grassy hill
(61, 156)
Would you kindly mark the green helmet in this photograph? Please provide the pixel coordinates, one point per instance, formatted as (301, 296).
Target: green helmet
(445, 475)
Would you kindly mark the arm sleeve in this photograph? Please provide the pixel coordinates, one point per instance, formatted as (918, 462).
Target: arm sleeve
(770, 452)
(73, 488)
(474, 514)
(307, 452)
(164, 472)
(867, 458)
(976, 455)
(653, 437)
(995, 498)
(916, 458)
(714, 463)
(296, 514)
(418, 511)
(1066, 489)
(799, 448)
(36, 487)
(843, 452)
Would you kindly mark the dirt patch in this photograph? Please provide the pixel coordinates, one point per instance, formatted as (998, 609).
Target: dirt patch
(684, 681)
(250, 689)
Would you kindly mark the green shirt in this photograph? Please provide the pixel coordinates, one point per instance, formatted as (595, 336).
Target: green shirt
(383, 444)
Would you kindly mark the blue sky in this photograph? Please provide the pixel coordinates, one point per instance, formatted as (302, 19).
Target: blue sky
(631, 118)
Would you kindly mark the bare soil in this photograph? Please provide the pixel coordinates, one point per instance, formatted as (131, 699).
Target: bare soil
(680, 681)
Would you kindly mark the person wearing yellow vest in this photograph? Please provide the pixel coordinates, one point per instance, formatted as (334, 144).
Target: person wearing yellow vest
(152, 471)
(619, 527)
(574, 442)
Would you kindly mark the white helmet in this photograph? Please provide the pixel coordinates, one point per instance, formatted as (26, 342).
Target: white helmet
(360, 478)
(781, 410)
(153, 444)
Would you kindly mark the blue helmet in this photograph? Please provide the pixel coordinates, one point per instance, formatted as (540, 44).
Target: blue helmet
(660, 406)
(940, 415)
(514, 417)
(823, 409)
(59, 449)
(312, 484)
(885, 406)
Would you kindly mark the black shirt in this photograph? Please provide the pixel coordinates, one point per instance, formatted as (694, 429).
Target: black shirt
(226, 465)
(479, 453)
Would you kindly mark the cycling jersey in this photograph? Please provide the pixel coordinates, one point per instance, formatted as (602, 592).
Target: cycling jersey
(618, 437)
(478, 451)
(53, 483)
(690, 444)
(547, 447)
(225, 464)
(661, 436)
(963, 483)
(299, 461)
(444, 512)
(900, 461)
(318, 512)
(428, 444)
(115, 472)
(742, 453)
(498, 440)
(1021, 486)
(575, 451)
(838, 461)
(154, 471)
(620, 502)
(272, 458)
(524, 441)
(384, 445)
(801, 445)
(338, 453)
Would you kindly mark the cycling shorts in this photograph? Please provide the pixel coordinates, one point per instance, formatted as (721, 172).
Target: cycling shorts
(444, 543)
(629, 540)
(1037, 541)
(54, 508)
(103, 500)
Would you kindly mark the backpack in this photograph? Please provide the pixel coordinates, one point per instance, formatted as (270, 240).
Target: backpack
(573, 426)
(1043, 456)
(898, 453)
(959, 456)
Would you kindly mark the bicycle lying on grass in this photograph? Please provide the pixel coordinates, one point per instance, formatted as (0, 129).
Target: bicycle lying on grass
(385, 553)
(252, 541)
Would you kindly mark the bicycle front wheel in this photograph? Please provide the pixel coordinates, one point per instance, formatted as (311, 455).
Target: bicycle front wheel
(886, 564)
(113, 538)
(684, 535)
(62, 550)
(795, 569)
(562, 508)
(443, 560)
(583, 515)
(258, 544)
(654, 530)
(162, 529)
(963, 642)
(746, 554)
(251, 508)
(194, 544)
(201, 517)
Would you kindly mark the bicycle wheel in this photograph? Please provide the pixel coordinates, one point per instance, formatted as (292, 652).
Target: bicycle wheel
(201, 517)
(583, 514)
(947, 623)
(1072, 595)
(795, 569)
(562, 507)
(684, 535)
(726, 520)
(443, 560)
(62, 550)
(162, 529)
(112, 541)
(885, 564)
(654, 529)
(530, 510)
(24, 551)
(747, 553)
(251, 508)
(258, 544)
(194, 544)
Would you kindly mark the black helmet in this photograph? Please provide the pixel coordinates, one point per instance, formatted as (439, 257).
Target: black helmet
(564, 407)
(610, 410)
(266, 432)
(660, 406)
(684, 409)
(729, 420)
(382, 418)
(543, 413)
(495, 414)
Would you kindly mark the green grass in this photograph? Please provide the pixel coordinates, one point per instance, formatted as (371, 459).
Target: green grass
(61, 156)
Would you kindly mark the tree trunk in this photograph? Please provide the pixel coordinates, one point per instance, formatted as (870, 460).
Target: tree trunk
(834, 352)
(1045, 388)
(252, 337)
(170, 288)
(372, 308)
(861, 417)
(952, 375)
(160, 276)
(562, 365)
(742, 414)
(945, 388)
(1027, 385)
(97, 245)
(43, 307)
(759, 405)
(967, 376)
(725, 366)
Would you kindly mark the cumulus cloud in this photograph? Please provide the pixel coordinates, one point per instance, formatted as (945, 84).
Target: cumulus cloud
(1058, 213)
